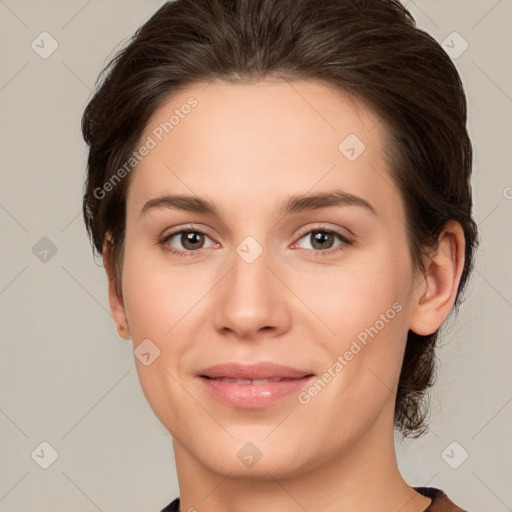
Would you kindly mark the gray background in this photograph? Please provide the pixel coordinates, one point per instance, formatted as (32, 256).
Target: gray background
(66, 378)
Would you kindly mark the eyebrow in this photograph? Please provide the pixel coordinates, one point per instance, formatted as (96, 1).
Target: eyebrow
(294, 204)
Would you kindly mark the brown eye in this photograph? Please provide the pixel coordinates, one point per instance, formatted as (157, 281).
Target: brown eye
(322, 240)
(192, 240)
(185, 242)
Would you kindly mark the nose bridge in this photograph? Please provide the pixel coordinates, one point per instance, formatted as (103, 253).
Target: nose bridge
(250, 279)
(249, 298)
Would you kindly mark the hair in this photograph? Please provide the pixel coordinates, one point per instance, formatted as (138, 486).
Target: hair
(371, 50)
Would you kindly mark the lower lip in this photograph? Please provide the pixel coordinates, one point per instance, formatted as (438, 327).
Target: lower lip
(253, 396)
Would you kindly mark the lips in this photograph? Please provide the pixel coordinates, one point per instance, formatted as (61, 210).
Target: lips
(271, 371)
(252, 385)
(249, 381)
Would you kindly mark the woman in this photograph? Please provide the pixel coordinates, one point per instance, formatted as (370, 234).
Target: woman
(230, 141)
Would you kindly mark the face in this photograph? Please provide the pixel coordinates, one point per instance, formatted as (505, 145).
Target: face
(279, 322)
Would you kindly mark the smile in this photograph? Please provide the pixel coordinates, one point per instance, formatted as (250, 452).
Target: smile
(252, 386)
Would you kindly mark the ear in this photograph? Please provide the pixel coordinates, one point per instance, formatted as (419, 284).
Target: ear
(115, 300)
(436, 289)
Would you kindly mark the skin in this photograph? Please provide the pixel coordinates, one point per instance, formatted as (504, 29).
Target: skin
(248, 147)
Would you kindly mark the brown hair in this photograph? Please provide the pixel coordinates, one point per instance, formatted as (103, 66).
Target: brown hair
(370, 49)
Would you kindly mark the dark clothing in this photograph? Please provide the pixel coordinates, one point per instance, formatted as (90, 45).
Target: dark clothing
(440, 502)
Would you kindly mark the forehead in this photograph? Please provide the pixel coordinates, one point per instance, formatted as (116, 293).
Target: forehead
(262, 139)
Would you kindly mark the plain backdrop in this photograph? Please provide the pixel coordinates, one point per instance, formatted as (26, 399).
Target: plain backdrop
(68, 381)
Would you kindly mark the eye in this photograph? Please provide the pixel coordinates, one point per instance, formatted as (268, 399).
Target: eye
(191, 240)
(322, 240)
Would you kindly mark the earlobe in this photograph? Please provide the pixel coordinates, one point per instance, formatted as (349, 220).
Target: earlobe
(114, 298)
(437, 289)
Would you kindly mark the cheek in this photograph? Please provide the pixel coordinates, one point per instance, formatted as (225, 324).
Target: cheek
(366, 309)
(353, 297)
(157, 297)
(159, 307)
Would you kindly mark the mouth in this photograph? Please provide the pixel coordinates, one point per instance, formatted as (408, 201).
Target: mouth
(251, 381)
(252, 386)
(256, 371)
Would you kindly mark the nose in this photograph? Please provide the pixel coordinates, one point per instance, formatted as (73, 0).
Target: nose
(252, 299)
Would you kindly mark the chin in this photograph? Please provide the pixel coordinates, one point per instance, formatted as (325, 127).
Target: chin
(262, 459)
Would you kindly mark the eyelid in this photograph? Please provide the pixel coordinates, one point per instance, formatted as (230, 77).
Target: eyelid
(323, 227)
(305, 231)
(186, 227)
(177, 231)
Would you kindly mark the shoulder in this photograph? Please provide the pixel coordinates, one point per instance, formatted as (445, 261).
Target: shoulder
(440, 501)
(174, 506)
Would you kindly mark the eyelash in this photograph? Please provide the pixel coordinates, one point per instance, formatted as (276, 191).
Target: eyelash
(321, 229)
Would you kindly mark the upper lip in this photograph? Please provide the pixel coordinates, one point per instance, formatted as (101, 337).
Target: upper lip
(262, 370)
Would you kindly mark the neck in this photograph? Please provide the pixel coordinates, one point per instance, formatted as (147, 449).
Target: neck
(363, 476)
